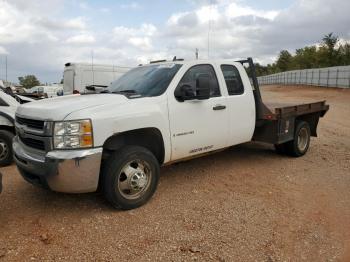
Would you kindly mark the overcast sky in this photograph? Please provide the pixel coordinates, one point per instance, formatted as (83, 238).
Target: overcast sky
(39, 36)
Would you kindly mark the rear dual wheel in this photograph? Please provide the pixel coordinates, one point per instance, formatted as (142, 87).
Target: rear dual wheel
(300, 144)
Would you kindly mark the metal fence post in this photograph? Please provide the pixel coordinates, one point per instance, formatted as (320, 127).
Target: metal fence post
(328, 77)
(336, 78)
(319, 77)
(306, 76)
(312, 77)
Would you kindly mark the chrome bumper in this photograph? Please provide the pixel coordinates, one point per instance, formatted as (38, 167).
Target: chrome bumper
(69, 171)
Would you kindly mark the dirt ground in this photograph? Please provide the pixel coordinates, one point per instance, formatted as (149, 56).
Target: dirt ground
(243, 204)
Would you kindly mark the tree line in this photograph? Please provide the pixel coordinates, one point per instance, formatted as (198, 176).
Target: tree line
(329, 53)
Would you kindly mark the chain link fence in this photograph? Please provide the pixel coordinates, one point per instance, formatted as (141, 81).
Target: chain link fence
(338, 76)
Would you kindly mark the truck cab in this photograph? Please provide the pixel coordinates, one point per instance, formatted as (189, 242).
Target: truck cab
(153, 115)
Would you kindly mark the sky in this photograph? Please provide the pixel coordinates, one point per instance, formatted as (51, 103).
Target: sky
(39, 37)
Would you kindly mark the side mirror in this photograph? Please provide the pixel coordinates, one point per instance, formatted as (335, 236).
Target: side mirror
(184, 92)
(188, 92)
(203, 87)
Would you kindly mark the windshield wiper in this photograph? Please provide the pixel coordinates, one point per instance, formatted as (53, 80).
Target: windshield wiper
(128, 91)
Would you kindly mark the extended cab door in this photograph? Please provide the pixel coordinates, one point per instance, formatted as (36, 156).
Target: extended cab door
(240, 102)
(198, 126)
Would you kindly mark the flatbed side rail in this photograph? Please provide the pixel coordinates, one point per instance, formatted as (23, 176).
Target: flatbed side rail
(302, 109)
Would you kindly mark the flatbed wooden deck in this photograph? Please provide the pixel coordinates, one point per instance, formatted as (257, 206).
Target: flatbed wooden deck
(283, 110)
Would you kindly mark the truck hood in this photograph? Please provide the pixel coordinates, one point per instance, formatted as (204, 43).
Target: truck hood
(60, 107)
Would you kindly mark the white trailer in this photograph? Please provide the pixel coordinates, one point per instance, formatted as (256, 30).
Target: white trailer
(47, 91)
(77, 76)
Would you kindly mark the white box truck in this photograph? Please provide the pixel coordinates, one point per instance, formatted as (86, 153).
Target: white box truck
(77, 76)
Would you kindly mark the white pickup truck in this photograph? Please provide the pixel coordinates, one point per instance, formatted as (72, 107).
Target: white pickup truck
(153, 115)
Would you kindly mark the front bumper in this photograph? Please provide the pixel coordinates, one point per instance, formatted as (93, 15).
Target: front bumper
(69, 171)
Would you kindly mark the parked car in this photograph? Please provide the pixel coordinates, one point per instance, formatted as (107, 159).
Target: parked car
(153, 115)
(78, 76)
(8, 105)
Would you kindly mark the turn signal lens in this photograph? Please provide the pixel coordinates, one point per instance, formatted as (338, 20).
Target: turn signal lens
(86, 141)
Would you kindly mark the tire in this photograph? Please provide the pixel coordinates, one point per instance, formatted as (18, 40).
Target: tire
(6, 153)
(130, 177)
(301, 142)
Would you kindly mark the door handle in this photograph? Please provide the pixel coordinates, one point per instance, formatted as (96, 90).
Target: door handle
(219, 107)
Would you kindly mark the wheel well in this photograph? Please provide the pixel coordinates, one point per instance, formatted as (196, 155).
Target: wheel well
(312, 120)
(8, 128)
(150, 138)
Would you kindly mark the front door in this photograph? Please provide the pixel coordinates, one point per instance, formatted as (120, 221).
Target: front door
(198, 126)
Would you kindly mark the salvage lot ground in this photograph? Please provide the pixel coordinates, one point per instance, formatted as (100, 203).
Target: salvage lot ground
(243, 204)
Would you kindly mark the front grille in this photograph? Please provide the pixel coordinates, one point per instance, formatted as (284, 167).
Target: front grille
(31, 123)
(34, 143)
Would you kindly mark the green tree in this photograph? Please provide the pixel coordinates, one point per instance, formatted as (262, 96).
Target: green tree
(330, 41)
(284, 60)
(344, 53)
(329, 51)
(260, 70)
(28, 81)
(305, 58)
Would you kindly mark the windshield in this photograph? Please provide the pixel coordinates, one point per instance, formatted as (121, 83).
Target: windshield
(150, 80)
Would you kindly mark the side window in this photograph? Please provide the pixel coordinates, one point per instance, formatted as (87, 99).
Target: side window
(194, 72)
(233, 80)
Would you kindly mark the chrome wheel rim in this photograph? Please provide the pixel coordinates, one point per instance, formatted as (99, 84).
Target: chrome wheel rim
(134, 179)
(303, 139)
(3, 150)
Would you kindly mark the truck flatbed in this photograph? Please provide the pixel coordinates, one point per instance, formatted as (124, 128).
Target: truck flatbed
(281, 110)
(276, 124)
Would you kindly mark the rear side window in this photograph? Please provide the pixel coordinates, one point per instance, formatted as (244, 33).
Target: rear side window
(194, 72)
(233, 80)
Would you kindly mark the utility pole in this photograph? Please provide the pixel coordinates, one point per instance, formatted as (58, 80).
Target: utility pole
(196, 53)
(92, 67)
(209, 26)
(208, 36)
(6, 68)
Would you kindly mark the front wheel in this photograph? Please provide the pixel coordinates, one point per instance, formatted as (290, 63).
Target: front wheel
(130, 177)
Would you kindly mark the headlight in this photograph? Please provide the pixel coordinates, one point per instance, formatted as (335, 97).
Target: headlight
(73, 134)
